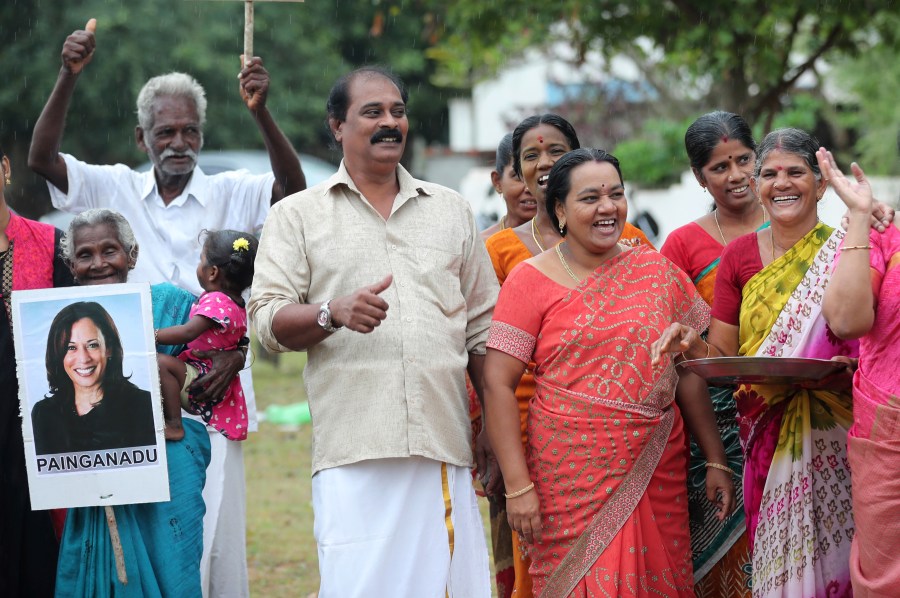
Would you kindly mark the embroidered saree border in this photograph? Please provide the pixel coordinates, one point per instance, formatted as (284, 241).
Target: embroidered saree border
(612, 515)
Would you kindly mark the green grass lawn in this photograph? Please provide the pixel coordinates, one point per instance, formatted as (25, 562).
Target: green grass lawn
(281, 550)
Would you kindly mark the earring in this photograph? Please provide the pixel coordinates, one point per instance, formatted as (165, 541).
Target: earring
(562, 229)
(8, 180)
(704, 188)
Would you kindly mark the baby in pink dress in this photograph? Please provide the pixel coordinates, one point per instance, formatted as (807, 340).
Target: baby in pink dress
(218, 322)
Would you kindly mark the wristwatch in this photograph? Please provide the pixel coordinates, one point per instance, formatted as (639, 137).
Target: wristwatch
(324, 318)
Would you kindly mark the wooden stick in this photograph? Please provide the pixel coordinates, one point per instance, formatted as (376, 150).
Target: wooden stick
(117, 545)
(248, 31)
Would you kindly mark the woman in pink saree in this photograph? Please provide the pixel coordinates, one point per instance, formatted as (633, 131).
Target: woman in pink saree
(863, 301)
(600, 494)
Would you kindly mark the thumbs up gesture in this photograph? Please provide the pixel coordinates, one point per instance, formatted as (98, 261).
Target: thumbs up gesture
(364, 309)
(79, 47)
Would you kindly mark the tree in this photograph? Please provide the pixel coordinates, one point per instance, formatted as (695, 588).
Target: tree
(744, 56)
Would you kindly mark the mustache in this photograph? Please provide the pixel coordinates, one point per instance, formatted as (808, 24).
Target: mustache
(170, 153)
(385, 133)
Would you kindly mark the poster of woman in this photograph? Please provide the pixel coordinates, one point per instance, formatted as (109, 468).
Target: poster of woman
(89, 396)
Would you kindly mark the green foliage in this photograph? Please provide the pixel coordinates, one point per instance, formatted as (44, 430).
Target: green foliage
(655, 158)
(745, 56)
(802, 113)
(873, 80)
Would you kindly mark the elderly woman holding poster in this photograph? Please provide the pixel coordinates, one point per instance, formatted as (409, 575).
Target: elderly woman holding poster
(161, 542)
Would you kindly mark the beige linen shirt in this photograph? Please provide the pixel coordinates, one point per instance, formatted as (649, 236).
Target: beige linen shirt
(400, 390)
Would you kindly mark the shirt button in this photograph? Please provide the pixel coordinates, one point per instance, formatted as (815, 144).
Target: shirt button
(403, 284)
(409, 318)
(394, 247)
(411, 359)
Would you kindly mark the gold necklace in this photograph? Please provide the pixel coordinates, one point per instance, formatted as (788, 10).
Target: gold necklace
(716, 218)
(503, 222)
(566, 265)
(535, 234)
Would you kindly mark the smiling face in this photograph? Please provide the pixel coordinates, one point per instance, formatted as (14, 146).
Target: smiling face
(788, 189)
(175, 139)
(86, 354)
(520, 203)
(375, 129)
(595, 208)
(541, 147)
(99, 257)
(727, 174)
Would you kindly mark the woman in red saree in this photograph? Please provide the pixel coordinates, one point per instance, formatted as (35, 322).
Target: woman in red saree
(599, 495)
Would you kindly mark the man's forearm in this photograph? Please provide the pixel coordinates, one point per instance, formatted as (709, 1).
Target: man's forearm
(43, 156)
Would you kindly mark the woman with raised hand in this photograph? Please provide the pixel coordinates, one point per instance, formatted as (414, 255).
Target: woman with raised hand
(768, 303)
(599, 495)
(863, 301)
(722, 154)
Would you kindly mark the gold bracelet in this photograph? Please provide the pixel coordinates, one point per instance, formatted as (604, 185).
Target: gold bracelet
(684, 358)
(849, 247)
(719, 466)
(524, 490)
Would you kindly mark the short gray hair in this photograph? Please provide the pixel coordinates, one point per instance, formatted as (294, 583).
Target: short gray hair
(115, 221)
(170, 84)
(792, 141)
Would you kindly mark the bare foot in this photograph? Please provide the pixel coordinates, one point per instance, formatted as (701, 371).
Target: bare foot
(174, 431)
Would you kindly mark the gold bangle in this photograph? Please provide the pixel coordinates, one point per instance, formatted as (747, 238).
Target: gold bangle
(684, 358)
(524, 490)
(849, 247)
(720, 466)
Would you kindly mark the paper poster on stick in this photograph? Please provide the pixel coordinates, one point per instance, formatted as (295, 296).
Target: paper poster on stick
(89, 396)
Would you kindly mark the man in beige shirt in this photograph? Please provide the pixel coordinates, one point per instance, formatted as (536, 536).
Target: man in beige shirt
(384, 281)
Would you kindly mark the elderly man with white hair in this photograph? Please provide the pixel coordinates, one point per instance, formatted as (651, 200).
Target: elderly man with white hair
(168, 208)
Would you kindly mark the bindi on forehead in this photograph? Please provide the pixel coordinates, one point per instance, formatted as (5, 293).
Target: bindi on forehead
(540, 139)
(779, 168)
(724, 138)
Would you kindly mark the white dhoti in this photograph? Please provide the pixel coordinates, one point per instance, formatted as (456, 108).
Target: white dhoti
(399, 527)
(223, 568)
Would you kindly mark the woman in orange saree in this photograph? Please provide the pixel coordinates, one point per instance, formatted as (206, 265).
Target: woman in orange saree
(600, 496)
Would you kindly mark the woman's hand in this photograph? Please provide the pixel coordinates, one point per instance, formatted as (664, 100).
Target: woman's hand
(840, 381)
(677, 338)
(856, 194)
(720, 491)
(225, 366)
(524, 516)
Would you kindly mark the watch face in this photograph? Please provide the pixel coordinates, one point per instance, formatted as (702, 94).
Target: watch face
(322, 318)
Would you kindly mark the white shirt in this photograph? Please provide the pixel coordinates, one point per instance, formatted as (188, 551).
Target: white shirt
(169, 235)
